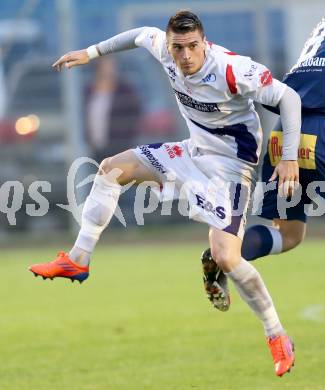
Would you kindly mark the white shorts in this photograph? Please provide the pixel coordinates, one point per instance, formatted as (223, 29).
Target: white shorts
(217, 191)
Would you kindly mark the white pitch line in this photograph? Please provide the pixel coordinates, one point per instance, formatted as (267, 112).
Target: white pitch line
(314, 313)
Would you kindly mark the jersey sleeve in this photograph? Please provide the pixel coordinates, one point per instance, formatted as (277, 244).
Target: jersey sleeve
(255, 81)
(154, 40)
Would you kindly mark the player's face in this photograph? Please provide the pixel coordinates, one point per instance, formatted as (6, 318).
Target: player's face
(187, 50)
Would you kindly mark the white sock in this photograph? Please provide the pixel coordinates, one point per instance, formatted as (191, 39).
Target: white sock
(277, 240)
(252, 289)
(97, 212)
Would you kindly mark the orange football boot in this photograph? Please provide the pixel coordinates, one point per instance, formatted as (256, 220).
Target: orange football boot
(61, 267)
(282, 350)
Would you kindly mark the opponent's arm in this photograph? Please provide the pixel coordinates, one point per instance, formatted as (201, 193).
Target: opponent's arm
(120, 42)
(287, 169)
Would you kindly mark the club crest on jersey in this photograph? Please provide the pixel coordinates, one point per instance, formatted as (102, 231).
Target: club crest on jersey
(266, 78)
(210, 78)
(174, 151)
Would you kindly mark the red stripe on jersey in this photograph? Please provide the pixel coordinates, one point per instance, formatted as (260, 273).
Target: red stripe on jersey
(230, 53)
(231, 79)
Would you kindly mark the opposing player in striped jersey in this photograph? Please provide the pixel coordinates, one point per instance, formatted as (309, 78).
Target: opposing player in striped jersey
(215, 167)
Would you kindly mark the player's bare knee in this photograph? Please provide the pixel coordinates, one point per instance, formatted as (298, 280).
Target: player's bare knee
(223, 256)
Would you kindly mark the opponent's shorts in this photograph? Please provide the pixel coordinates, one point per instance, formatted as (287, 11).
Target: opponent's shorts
(217, 191)
(311, 159)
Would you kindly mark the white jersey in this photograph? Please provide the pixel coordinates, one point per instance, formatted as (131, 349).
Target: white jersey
(217, 101)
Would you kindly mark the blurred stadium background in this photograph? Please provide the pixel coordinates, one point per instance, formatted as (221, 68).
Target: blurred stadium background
(45, 124)
(45, 117)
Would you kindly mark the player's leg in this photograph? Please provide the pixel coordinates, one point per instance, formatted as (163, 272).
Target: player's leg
(258, 241)
(97, 212)
(226, 251)
(99, 208)
(261, 240)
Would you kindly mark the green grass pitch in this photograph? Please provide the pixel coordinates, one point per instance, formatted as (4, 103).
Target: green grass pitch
(141, 321)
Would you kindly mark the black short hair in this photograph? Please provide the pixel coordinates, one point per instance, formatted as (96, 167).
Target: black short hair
(184, 21)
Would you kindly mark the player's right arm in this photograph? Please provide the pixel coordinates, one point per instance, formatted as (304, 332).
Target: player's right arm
(149, 37)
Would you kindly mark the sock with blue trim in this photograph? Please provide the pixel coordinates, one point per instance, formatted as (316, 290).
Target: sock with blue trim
(260, 241)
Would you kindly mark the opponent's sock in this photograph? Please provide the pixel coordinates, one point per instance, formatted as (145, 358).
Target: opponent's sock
(259, 241)
(252, 289)
(96, 214)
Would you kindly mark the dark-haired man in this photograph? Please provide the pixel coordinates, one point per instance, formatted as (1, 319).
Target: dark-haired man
(215, 168)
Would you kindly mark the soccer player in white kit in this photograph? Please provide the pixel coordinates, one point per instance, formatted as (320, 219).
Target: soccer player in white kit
(214, 168)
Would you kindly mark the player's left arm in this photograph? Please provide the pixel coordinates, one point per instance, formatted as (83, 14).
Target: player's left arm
(255, 81)
(287, 169)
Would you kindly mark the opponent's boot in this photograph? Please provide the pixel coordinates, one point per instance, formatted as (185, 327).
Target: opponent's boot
(215, 282)
(61, 267)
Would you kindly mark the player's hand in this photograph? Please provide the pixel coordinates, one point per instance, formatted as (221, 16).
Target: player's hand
(288, 173)
(71, 59)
